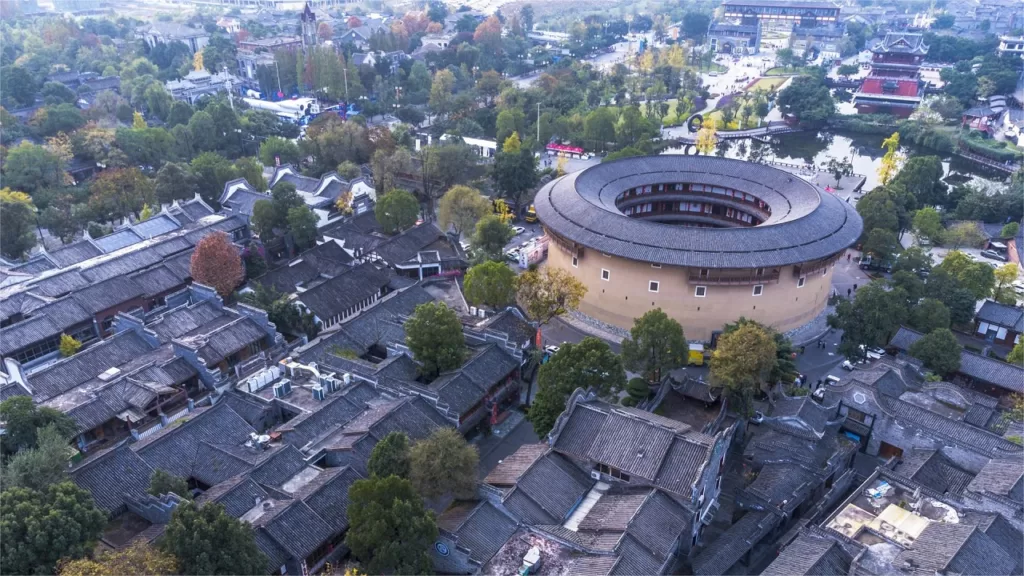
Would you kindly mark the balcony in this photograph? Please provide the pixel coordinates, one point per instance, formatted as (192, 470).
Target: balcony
(714, 278)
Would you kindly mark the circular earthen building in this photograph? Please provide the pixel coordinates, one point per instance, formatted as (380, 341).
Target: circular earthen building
(705, 239)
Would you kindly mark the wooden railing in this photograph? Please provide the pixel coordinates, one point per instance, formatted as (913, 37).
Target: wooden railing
(714, 279)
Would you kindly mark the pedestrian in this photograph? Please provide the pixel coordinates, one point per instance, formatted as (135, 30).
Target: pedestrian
(848, 292)
(847, 256)
(854, 287)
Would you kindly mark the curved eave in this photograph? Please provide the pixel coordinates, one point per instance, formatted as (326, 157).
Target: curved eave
(801, 229)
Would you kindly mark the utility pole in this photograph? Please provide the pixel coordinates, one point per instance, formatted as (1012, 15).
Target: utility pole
(345, 72)
(278, 68)
(538, 123)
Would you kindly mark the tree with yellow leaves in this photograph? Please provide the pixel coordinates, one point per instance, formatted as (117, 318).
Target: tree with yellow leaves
(139, 558)
(138, 121)
(560, 167)
(891, 160)
(197, 61)
(344, 202)
(707, 137)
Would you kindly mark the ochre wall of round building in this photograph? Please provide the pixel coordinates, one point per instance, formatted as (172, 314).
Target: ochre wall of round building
(626, 295)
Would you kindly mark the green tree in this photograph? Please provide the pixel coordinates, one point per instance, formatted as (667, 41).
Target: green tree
(881, 243)
(929, 315)
(509, 122)
(276, 151)
(784, 369)
(68, 345)
(206, 540)
(945, 288)
(1016, 356)
(871, 319)
(175, 181)
(252, 170)
(161, 483)
(40, 467)
(490, 238)
(1003, 290)
(63, 217)
(515, 172)
(549, 292)
(838, 168)
(656, 345)
(808, 99)
(461, 208)
(444, 463)
(212, 172)
(939, 350)
(599, 127)
(742, 362)
(302, 223)
(17, 223)
(30, 168)
(42, 527)
(348, 170)
(434, 335)
(181, 112)
(19, 86)
(879, 211)
(490, 284)
(928, 224)
(23, 420)
(120, 193)
(1010, 230)
(914, 259)
(922, 176)
(137, 558)
(203, 130)
(390, 530)
(390, 457)
(590, 364)
(978, 277)
(396, 210)
(270, 215)
(965, 234)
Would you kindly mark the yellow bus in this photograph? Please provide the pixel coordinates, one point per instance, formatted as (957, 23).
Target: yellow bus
(531, 215)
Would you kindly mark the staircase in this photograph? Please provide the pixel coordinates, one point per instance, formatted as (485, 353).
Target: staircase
(595, 494)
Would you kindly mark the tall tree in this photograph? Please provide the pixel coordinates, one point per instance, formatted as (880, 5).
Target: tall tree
(490, 237)
(590, 364)
(939, 350)
(978, 277)
(17, 223)
(461, 207)
(206, 540)
(41, 527)
(1003, 290)
(930, 314)
(656, 345)
(275, 151)
(175, 181)
(217, 263)
(120, 193)
(444, 463)
(39, 467)
(389, 166)
(212, 172)
(23, 420)
(742, 362)
(490, 284)
(29, 168)
(162, 482)
(434, 335)
(889, 167)
(302, 224)
(549, 292)
(390, 530)
(390, 457)
(138, 558)
(784, 369)
(871, 319)
(396, 210)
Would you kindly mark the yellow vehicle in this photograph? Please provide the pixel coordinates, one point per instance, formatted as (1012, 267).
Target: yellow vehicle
(531, 215)
(696, 357)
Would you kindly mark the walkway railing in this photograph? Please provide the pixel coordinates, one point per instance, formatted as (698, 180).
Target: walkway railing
(1008, 167)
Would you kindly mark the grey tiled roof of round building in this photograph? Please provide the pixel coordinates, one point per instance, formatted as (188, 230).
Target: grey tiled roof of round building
(804, 225)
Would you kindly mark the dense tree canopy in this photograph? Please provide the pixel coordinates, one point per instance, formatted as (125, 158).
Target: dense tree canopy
(656, 345)
(206, 540)
(434, 335)
(590, 364)
(390, 457)
(444, 463)
(390, 530)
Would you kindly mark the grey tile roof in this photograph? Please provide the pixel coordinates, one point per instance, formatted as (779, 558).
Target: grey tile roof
(783, 486)
(555, 485)
(658, 525)
(224, 341)
(804, 226)
(467, 386)
(659, 450)
(155, 226)
(89, 363)
(512, 467)
(330, 500)
(956, 548)
(1002, 315)
(118, 240)
(324, 261)
(982, 368)
(932, 469)
(722, 553)
(613, 512)
(336, 411)
(485, 531)
(278, 468)
(528, 511)
(216, 433)
(47, 321)
(158, 280)
(237, 495)
(1009, 538)
(112, 476)
(74, 253)
(810, 555)
(1002, 476)
(344, 291)
(108, 294)
(60, 284)
(635, 559)
(812, 415)
(298, 529)
(958, 432)
(406, 245)
(696, 389)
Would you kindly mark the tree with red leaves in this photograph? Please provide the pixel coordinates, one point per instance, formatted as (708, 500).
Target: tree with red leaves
(488, 34)
(217, 263)
(354, 22)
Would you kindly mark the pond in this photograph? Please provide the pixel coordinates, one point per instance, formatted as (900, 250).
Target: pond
(864, 151)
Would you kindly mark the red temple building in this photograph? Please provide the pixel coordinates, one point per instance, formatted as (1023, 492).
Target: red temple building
(894, 85)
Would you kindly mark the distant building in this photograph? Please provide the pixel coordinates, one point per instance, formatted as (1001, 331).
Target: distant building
(1011, 45)
(894, 84)
(166, 32)
(307, 23)
(199, 83)
(814, 26)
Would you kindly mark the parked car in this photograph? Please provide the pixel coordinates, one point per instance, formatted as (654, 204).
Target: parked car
(551, 349)
(818, 395)
(512, 255)
(870, 263)
(517, 230)
(757, 418)
(993, 255)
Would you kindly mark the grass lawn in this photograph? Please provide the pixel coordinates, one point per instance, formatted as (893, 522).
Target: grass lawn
(767, 84)
(780, 71)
